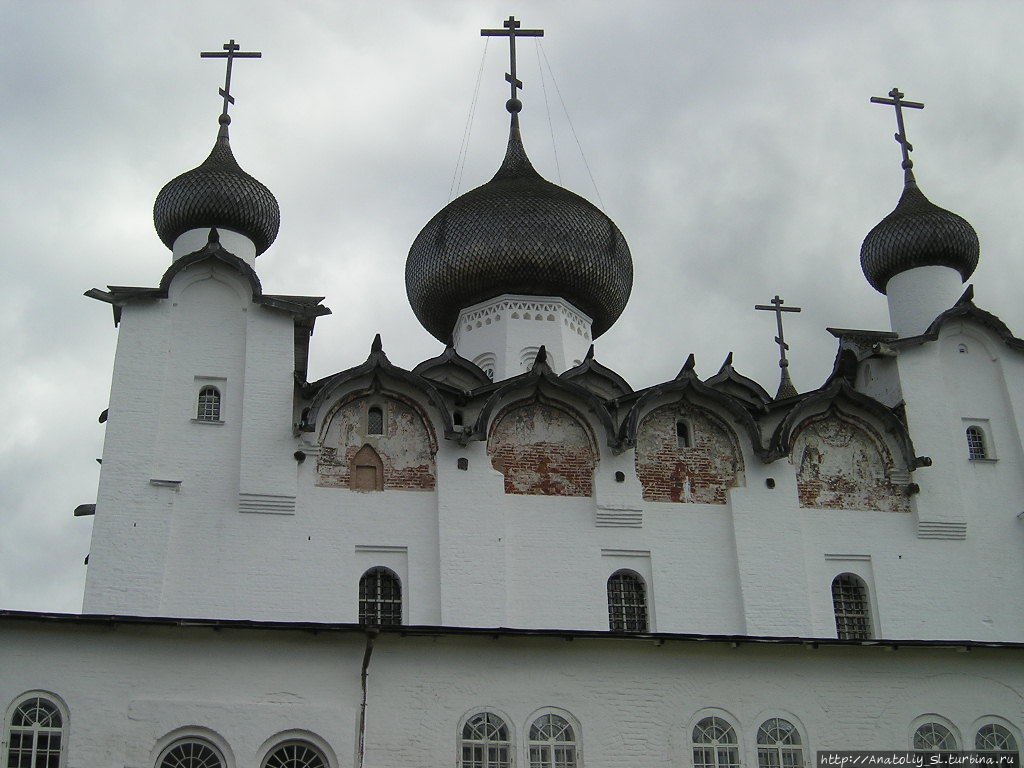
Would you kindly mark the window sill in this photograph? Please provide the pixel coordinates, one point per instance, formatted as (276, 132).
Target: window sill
(982, 461)
(208, 423)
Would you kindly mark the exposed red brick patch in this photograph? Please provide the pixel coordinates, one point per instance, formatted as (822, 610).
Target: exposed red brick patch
(542, 450)
(405, 447)
(844, 465)
(701, 473)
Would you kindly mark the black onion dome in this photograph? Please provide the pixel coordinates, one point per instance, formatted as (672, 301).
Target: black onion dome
(917, 234)
(217, 194)
(518, 234)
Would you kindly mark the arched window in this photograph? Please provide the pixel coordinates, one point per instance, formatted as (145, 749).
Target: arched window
(191, 753)
(715, 744)
(778, 745)
(996, 738)
(208, 408)
(850, 601)
(295, 754)
(35, 734)
(682, 435)
(380, 597)
(627, 602)
(976, 444)
(485, 742)
(375, 421)
(552, 743)
(934, 737)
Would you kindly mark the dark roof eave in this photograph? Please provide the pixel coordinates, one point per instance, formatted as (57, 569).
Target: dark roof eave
(300, 307)
(437, 631)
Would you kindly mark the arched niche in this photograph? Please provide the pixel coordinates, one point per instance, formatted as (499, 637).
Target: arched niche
(687, 454)
(842, 463)
(377, 441)
(543, 449)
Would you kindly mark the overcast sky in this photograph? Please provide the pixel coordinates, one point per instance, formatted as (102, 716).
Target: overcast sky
(732, 142)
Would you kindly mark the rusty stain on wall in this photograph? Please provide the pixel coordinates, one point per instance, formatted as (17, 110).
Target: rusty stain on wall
(542, 450)
(701, 473)
(405, 447)
(843, 465)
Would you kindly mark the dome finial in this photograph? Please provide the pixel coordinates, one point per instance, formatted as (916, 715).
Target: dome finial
(231, 52)
(512, 31)
(896, 100)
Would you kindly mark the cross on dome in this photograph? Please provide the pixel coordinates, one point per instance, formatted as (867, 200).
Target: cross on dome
(896, 100)
(512, 31)
(231, 52)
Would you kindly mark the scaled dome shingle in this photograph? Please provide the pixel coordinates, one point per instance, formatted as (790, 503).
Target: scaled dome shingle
(917, 234)
(219, 194)
(518, 234)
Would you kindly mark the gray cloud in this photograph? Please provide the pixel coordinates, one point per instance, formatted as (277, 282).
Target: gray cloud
(733, 143)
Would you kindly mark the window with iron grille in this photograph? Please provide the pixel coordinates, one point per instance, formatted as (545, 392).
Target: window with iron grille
(715, 744)
(627, 602)
(850, 601)
(375, 421)
(934, 737)
(35, 734)
(778, 745)
(380, 597)
(485, 742)
(976, 444)
(995, 738)
(295, 754)
(191, 753)
(552, 743)
(209, 404)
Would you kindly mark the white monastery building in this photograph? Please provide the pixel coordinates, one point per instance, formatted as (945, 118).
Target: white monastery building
(506, 556)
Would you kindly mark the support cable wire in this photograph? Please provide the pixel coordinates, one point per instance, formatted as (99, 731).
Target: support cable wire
(571, 128)
(460, 163)
(547, 108)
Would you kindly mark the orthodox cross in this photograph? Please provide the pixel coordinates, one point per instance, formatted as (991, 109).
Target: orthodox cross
(896, 100)
(786, 388)
(231, 52)
(512, 31)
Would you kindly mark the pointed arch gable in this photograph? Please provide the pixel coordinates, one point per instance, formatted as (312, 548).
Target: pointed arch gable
(540, 382)
(839, 394)
(686, 386)
(401, 457)
(375, 374)
(843, 463)
(543, 447)
(686, 453)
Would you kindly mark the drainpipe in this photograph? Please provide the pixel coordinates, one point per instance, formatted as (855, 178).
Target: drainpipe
(371, 634)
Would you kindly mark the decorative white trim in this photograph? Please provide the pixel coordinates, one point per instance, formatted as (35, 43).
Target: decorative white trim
(266, 504)
(625, 553)
(516, 308)
(613, 516)
(942, 529)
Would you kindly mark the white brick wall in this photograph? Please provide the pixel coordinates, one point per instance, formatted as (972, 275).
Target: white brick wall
(127, 687)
